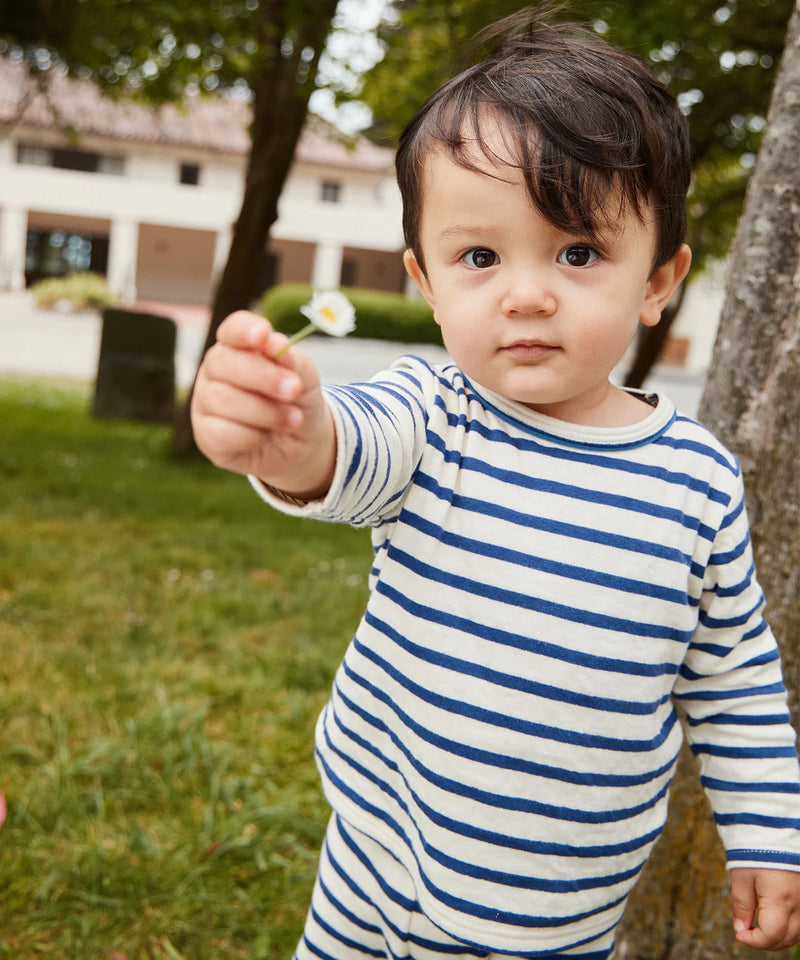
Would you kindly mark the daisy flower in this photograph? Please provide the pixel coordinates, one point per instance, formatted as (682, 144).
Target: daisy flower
(329, 311)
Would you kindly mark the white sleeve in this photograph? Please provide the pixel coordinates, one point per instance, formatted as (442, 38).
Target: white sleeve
(380, 434)
(732, 689)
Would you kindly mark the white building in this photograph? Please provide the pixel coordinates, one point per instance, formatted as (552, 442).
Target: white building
(148, 197)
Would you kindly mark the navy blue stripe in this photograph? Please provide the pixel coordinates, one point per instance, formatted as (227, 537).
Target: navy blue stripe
(717, 623)
(769, 656)
(529, 728)
(583, 456)
(683, 443)
(533, 562)
(743, 753)
(733, 516)
(743, 720)
(721, 559)
(761, 627)
(578, 444)
(542, 847)
(477, 909)
(765, 856)
(492, 759)
(547, 525)
(403, 903)
(369, 467)
(553, 651)
(337, 904)
(737, 588)
(755, 820)
(464, 868)
(323, 954)
(523, 882)
(570, 491)
(761, 786)
(536, 604)
(346, 942)
(707, 695)
(510, 681)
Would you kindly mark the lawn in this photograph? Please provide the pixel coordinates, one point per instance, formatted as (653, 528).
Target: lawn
(166, 643)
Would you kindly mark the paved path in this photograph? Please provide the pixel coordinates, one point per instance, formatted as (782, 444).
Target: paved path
(50, 343)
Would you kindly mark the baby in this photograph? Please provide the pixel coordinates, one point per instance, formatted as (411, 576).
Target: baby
(559, 563)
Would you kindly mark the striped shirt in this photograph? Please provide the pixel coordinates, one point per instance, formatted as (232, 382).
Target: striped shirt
(543, 596)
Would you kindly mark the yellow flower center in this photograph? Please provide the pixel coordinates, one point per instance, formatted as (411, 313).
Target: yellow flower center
(327, 315)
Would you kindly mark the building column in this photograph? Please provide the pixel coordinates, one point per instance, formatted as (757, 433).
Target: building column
(123, 253)
(13, 246)
(327, 273)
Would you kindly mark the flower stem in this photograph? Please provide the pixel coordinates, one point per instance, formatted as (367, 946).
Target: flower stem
(300, 335)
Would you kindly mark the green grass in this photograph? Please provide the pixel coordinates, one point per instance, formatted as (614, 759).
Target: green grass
(166, 644)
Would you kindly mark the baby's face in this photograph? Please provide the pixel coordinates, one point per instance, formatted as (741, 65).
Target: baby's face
(531, 312)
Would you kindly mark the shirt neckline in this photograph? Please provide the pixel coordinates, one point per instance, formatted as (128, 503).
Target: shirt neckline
(645, 431)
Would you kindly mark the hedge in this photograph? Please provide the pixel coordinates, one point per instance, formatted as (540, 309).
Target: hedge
(379, 315)
(82, 290)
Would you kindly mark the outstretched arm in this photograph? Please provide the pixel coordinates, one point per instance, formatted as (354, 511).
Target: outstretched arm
(255, 414)
(766, 907)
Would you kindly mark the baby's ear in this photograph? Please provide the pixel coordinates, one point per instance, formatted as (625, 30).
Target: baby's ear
(417, 274)
(663, 283)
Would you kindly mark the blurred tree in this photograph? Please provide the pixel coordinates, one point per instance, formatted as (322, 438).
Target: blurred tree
(717, 56)
(157, 50)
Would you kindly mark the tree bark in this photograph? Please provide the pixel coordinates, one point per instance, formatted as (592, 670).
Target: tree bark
(752, 403)
(282, 86)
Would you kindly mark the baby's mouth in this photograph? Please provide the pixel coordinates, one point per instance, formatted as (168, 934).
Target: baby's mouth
(530, 349)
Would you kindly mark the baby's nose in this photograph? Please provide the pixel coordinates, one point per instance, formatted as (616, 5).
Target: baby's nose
(527, 294)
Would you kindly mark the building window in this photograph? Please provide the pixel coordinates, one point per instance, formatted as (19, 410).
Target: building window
(331, 191)
(113, 165)
(57, 252)
(270, 272)
(68, 158)
(35, 156)
(348, 274)
(190, 174)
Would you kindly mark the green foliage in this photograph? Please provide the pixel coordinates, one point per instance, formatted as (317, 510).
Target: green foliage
(379, 315)
(717, 56)
(158, 48)
(82, 290)
(168, 642)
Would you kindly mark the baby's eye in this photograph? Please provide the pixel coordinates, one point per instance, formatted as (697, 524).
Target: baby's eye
(480, 258)
(578, 255)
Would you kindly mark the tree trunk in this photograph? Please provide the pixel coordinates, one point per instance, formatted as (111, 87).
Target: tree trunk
(282, 87)
(752, 403)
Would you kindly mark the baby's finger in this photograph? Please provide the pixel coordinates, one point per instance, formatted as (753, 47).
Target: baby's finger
(231, 446)
(250, 370)
(222, 401)
(244, 330)
(776, 930)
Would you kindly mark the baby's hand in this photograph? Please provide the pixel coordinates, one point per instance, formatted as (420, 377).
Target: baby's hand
(770, 899)
(255, 414)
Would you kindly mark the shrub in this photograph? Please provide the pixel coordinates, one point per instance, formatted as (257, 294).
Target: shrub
(379, 315)
(82, 290)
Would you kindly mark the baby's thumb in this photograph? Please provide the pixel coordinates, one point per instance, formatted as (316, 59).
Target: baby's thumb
(745, 900)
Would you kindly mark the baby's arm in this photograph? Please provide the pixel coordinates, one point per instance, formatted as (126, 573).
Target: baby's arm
(257, 415)
(770, 899)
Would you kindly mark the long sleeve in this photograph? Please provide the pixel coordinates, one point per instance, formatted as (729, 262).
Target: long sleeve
(380, 433)
(738, 723)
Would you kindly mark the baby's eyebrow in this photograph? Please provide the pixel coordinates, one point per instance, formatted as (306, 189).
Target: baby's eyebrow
(458, 230)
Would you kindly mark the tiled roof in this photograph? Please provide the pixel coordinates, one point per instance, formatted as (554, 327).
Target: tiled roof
(210, 123)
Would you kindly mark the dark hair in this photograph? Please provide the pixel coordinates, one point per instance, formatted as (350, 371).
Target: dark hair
(584, 122)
